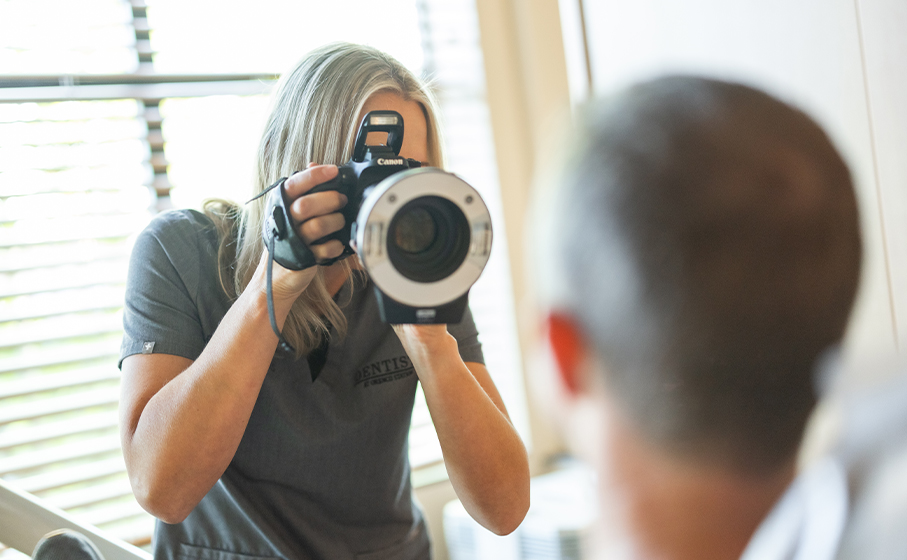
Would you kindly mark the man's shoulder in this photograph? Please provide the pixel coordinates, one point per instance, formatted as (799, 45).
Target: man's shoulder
(809, 518)
(874, 447)
(851, 503)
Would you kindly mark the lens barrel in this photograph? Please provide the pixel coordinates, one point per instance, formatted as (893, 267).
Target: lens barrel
(428, 239)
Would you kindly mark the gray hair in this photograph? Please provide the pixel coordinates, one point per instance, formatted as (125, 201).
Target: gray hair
(706, 237)
(314, 118)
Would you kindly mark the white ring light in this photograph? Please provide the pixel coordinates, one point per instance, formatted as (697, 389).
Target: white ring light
(379, 208)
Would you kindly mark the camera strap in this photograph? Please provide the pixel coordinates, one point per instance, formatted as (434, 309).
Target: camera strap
(281, 341)
(276, 184)
(273, 236)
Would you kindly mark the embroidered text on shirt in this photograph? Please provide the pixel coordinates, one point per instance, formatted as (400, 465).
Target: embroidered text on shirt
(383, 371)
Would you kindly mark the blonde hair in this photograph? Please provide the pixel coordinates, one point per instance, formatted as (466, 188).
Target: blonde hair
(314, 118)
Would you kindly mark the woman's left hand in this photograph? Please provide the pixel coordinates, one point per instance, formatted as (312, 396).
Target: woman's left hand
(431, 349)
(484, 456)
(420, 340)
(420, 333)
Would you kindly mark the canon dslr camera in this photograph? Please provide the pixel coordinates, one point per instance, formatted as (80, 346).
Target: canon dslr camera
(423, 235)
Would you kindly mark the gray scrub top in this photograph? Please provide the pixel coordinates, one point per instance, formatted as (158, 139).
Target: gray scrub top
(322, 470)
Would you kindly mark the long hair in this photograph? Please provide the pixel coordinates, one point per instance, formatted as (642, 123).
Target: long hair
(314, 118)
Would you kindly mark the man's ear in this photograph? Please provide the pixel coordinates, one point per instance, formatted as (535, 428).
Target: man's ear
(569, 348)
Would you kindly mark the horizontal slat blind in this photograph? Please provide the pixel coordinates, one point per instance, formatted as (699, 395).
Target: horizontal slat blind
(72, 193)
(74, 190)
(84, 37)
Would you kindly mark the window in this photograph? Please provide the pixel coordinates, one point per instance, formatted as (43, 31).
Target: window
(98, 131)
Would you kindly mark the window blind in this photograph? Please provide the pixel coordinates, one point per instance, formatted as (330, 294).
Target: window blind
(81, 164)
(72, 186)
(90, 149)
(72, 192)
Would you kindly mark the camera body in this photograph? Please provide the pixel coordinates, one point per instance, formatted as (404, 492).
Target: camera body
(423, 235)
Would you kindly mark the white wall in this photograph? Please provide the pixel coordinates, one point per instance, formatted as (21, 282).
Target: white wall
(883, 24)
(843, 61)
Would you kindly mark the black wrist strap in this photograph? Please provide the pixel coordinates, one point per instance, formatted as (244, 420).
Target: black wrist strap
(281, 341)
(304, 258)
(294, 253)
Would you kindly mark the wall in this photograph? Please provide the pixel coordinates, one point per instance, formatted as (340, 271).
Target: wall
(840, 60)
(882, 26)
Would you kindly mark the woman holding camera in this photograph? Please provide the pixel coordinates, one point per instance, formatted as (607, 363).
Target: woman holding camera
(245, 451)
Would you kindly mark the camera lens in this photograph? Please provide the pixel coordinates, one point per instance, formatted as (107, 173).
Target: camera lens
(428, 239)
(415, 230)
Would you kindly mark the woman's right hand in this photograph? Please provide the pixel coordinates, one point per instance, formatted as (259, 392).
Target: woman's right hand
(318, 214)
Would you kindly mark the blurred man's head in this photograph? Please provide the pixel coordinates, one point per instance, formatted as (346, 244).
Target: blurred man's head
(703, 248)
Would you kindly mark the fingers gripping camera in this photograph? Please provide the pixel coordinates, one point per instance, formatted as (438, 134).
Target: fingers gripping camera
(423, 235)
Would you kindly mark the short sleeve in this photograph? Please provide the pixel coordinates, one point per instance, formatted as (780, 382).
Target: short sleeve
(467, 338)
(161, 313)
